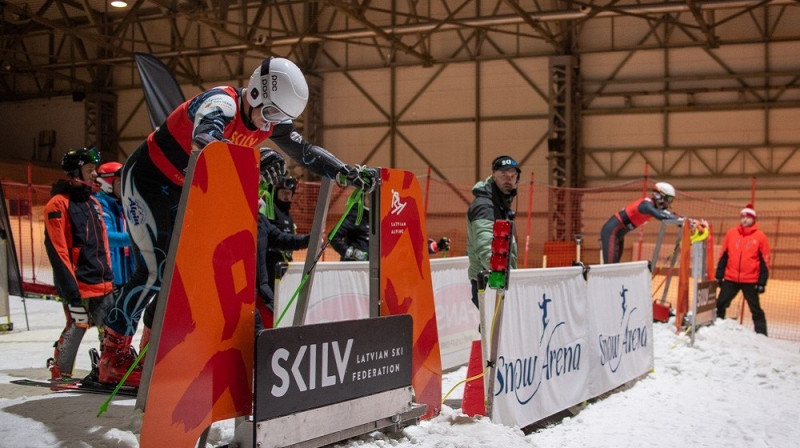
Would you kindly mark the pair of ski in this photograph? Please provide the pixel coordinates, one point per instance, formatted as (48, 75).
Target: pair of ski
(89, 384)
(85, 385)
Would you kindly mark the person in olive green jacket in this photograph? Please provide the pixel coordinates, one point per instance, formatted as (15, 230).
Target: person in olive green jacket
(493, 198)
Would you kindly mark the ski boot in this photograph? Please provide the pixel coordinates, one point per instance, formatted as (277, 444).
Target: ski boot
(116, 359)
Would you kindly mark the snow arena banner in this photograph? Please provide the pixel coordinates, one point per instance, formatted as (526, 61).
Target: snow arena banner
(345, 295)
(620, 324)
(541, 359)
(306, 367)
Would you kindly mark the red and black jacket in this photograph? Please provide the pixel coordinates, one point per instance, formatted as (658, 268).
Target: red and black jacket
(169, 146)
(76, 243)
(640, 211)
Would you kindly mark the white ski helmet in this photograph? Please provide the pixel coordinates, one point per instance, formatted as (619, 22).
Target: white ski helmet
(664, 192)
(278, 85)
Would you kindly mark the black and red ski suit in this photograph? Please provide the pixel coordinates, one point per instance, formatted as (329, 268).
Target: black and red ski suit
(153, 176)
(636, 213)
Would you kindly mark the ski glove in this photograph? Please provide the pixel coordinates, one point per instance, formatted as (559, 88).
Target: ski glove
(760, 289)
(353, 254)
(78, 314)
(273, 166)
(435, 246)
(203, 140)
(359, 176)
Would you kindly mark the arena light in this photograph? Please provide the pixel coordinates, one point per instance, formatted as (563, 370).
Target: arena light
(119, 3)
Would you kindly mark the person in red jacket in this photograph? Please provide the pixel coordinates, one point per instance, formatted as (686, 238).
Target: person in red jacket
(743, 266)
(612, 235)
(77, 247)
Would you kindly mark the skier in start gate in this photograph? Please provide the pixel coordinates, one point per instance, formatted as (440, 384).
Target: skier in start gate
(153, 178)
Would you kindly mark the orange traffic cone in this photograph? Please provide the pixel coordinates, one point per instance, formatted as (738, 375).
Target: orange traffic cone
(473, 402)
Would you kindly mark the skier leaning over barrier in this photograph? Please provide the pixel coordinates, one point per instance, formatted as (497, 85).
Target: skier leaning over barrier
(153, 177)
(612, 236)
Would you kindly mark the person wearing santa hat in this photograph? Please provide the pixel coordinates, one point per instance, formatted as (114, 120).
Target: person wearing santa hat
(743, 266)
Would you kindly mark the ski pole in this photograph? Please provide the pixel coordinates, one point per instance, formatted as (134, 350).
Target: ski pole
(356, 197)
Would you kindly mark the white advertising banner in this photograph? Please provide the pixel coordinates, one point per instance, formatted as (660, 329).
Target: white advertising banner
(621, 324)
(340, 291)
(456, 316)
(541, 364)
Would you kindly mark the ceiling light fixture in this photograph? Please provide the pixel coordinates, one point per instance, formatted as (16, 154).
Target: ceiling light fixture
(119, 3)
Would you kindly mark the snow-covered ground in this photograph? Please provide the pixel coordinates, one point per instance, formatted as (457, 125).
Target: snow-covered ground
(732, 389)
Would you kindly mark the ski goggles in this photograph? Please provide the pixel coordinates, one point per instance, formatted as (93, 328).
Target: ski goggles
(287, 183)
(93, 155)
(271, 113)
(85, 155)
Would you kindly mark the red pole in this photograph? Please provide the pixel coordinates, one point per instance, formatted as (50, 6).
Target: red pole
(644, 194)
(528, 224)
(30, 218)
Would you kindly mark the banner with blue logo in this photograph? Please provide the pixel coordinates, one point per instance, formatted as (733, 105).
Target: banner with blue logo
(620, 304)
(565, 339)
(542, 366)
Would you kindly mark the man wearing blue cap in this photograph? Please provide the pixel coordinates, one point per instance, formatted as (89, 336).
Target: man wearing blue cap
(493, 198)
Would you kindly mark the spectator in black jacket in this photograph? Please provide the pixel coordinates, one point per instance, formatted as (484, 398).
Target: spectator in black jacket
(271, 238)
(278, 255)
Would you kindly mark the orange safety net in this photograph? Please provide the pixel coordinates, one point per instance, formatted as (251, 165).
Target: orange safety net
(554, 226)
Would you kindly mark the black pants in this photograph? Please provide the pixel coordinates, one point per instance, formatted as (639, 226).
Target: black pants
(475, 293)
(728, 291)
(151, 203)
(612, 238)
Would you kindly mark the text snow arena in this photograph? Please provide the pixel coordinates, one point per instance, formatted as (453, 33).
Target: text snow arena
(523, 377)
